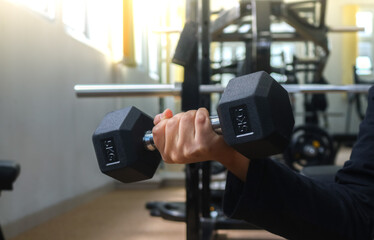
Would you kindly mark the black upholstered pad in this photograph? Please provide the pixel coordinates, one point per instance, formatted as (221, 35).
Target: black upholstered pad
(9, 172)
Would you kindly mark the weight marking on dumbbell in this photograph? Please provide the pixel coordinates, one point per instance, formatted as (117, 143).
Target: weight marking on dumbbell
(243, 135)
(110, 152)
(240, 119)
(114, 163)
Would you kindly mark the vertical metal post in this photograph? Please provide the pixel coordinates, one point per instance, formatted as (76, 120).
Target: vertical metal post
(249, 59)
(205, 39)
(161, 100)
(251, 47)
(205, 71)
(190, 100)
(190, 86)
(323, 12)
(261, 42)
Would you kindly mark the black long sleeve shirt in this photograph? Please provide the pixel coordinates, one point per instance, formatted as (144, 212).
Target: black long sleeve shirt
(297, 207)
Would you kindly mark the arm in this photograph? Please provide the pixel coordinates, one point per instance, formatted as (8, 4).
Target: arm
(270, 195)
(293, 206)
(297, 207)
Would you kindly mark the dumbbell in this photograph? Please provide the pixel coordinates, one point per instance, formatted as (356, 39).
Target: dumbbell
(254, 116)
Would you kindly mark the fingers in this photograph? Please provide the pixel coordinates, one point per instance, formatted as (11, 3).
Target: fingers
(186, 128)
(185, 138)
(165, 115)
(165, 134)
(202, 123)
(171, 137)
(209, 143)
(158, 132)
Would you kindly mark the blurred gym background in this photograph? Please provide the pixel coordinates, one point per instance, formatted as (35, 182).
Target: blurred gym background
(49, 46)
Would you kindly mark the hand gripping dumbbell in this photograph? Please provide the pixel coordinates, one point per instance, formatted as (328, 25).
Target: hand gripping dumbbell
(254, 116)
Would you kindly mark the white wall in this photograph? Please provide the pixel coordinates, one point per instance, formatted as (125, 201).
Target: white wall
(43, 126)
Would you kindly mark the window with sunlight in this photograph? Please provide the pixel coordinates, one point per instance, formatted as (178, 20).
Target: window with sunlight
(156, 31)
(364, 65)
(97, 23)
(364, 61)
(365, 20)
(45, 7)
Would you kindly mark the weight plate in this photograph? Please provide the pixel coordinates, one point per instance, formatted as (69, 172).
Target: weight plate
(310, 145)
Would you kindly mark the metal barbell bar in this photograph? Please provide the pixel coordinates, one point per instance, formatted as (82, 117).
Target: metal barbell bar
(162, 90)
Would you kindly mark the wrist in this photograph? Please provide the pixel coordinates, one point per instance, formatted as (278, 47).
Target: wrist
(235, 163)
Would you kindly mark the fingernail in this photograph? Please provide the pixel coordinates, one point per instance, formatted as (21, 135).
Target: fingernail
(168, 113)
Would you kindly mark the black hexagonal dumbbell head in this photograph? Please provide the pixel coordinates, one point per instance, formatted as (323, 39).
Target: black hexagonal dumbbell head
(119, 147)
(255, 115)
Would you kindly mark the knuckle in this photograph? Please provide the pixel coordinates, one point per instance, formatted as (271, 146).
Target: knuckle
(158, 129)
(191, 113)
(203, 112)
(184, 117)
(166, 157)
(178, 115)
(188, 116)
(156, 136)
(201, 115)
(156, 120)
(155, 132)
(171, 123)
(184, 120)
(187, 153)
(175, 158)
